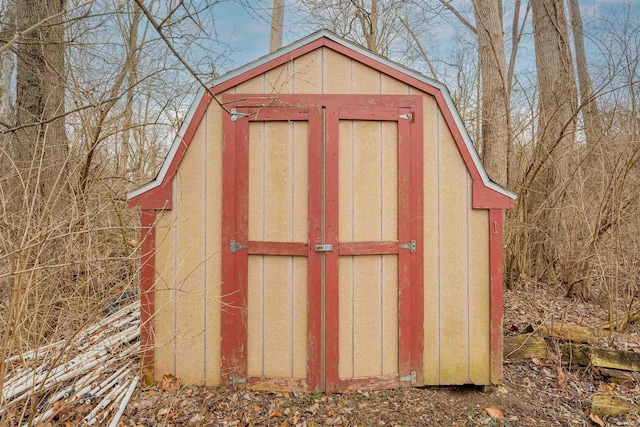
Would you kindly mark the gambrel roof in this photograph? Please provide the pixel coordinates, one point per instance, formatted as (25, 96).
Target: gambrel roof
(487, 194)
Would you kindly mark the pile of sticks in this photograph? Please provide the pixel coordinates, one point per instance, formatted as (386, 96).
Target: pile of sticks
(94, 370)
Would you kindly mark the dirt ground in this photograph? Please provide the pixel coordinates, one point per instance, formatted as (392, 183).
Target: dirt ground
(534, 393)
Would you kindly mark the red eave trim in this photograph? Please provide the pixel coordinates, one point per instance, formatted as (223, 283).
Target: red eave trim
(487, 198)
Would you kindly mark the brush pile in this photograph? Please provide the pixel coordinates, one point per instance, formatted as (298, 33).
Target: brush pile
(84, 380)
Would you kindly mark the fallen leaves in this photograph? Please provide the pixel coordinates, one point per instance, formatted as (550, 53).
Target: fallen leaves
(494, 412)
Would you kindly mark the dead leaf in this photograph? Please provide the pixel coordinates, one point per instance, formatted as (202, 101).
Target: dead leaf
(494, 412)
(536, 361)
(286, 395)
(596, 419)
(275, 414)
(562, 378)
(169, 383)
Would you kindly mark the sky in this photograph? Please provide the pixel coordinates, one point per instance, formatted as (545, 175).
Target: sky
(247, 31)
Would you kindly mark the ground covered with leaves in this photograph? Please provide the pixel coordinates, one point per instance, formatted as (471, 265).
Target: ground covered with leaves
(535, 392)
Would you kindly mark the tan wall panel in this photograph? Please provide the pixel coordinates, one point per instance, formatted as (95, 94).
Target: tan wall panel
(164, 317)
(280, 79)
(364, 80)
(299, 149)
(336, 72)
(278, 183)
(454, 298)
(307, 74)
(479, 286)
(389, 180)
(255, 316)
(389, 314)
(391, 86)
(278, 325)
(345, 316)
(254, 85)
(346, 182)
(367, 191)
(367, 316)
(257, 146)
(213, 239)
(190, 301)
(299, 316)
(431, 354)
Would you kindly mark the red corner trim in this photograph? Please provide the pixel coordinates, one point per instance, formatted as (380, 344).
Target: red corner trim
(147, 291)
(496, 299)
(161, 197)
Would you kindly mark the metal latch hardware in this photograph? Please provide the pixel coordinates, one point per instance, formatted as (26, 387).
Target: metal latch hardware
(233, 246)
(409, 116)
(234, 380)
(235, 115)
(409, 378)
(323, 248)
(411, 246)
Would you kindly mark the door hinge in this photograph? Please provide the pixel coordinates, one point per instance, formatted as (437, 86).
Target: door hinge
(233, 246)
(235, 380)
(409, 378)
(235, 115)
(323, 248)
(411, 246)
(409, 116)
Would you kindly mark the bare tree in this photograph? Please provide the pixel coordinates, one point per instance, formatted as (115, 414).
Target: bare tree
(496, 114)
(589, 107)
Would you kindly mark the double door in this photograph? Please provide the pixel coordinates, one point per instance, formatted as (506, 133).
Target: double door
(322, 242)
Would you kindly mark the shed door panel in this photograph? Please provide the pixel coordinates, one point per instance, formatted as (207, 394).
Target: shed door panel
(367, 280)
(277, 283)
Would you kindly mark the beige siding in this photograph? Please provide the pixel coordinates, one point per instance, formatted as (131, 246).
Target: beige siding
(190, 253)
(213, 237)
(431, 179)
(479, 297)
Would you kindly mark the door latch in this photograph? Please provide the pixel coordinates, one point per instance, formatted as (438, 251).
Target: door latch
(323, 248)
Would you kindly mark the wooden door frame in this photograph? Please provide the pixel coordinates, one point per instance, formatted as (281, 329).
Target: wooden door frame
(261, 107)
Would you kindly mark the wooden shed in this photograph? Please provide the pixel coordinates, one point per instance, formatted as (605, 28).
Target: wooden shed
(329, 227)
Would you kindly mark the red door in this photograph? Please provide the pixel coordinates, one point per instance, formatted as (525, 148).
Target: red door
(322, 238)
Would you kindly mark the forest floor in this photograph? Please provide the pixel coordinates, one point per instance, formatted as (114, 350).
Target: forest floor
(536, 392)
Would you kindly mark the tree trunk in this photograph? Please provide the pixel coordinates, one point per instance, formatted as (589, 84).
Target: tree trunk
(555, 136)
(590, 112)
(496, 120)
(40, 144)
(277, 21)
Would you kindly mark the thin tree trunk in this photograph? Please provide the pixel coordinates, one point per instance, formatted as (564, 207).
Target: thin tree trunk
(41, 144)
(132, 55)
(496, 119)
(277, 21)
(590, 112)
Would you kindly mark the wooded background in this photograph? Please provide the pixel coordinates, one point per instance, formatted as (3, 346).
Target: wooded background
(92, 93)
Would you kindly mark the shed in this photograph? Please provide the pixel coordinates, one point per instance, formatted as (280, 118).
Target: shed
(327, 226)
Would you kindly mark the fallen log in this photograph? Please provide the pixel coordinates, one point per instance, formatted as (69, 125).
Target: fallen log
(567, 332)
(602, 405)
(602, 357)
(522, 347)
